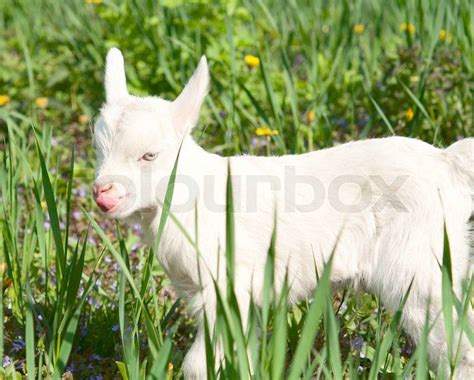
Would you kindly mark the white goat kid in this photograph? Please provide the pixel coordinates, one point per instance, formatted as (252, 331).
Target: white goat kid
(380, 205)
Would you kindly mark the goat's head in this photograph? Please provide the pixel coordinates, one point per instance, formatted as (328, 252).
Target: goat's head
(137, 139)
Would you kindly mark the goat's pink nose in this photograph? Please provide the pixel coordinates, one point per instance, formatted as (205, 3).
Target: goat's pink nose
(105, 197)
(100, 189)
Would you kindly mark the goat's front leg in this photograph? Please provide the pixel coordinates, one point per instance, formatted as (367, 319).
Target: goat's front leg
(194, 365)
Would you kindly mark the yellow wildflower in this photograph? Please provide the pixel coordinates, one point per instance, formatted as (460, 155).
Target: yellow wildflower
(251, 61)
(41, 102)
(359, 28)
(310, 116)
(4, 100)
(93, 1)
(444, 35)
(266, 132)
(170, 367)
(83, 119)
(410, 28)
(409, 114)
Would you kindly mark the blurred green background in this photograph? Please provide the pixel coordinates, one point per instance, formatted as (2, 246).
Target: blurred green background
(287, 77)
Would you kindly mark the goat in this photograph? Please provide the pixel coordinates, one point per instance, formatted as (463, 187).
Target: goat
(378, 206)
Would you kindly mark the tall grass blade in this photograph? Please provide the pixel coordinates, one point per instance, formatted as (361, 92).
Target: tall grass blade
(30, 334)
(53, 214)
(311, 324)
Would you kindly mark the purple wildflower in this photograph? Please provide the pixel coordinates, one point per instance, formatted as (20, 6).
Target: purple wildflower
(76, 214)
(93, 302)
(258, 142)
(18, 344)
(82, 191)
(137, 228)
(357, 343)
(6, 361)
(341, 122)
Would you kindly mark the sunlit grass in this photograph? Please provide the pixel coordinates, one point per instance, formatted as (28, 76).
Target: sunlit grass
(81, 294)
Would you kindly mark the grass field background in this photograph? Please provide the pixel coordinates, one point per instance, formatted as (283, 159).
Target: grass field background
(81, 297)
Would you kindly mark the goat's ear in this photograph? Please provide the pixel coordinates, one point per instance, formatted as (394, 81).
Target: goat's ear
(188, 104)
(115, 82)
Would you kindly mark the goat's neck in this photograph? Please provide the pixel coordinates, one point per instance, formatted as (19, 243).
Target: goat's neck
(195, 162)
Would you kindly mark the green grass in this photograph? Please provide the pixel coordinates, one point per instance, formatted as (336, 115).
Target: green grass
(82, 296)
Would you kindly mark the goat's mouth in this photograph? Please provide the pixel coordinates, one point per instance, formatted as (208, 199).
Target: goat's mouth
(122, 209)
(109, 210)
(123, 206)
(109, 205)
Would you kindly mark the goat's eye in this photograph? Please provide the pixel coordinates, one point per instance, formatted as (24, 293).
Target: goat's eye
(149, 156)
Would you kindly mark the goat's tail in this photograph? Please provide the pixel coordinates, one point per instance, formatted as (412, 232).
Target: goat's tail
(464, 148)
(464, 152)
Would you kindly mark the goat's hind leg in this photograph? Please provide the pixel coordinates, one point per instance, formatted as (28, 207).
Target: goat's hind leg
(460, 243)
(415, 257)
(425, 304)
(442, 354)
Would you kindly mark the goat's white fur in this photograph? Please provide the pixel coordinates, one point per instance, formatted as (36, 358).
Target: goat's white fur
(381, 250)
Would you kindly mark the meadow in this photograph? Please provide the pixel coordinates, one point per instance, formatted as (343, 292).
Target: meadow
(81, 296)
